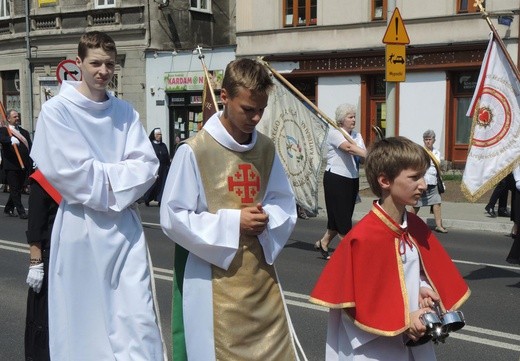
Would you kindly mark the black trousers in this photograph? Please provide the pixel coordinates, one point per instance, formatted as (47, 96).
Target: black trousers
(15, 180)
(37, 320)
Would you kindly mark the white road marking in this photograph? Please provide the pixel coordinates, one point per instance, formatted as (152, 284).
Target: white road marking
(167, 275)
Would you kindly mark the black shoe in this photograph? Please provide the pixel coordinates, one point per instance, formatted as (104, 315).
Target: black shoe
(490, 211)
(512, 260)
(301, 213)
(325, 254)
(23, 216)
(10, 213)
(503, 212)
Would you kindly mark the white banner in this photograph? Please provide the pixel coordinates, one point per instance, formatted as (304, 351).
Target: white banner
(494, 148)
(299, 136)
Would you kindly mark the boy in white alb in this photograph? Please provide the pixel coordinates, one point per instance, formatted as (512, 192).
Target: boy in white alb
(93, 149)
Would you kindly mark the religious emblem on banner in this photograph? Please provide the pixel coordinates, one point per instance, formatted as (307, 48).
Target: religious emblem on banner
(492, 116)
(495, 111)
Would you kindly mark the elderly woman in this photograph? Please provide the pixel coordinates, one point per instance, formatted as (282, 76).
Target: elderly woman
(341, 178)
(431, 196)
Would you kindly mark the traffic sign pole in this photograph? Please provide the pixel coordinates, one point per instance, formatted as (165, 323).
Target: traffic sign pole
(390, 85)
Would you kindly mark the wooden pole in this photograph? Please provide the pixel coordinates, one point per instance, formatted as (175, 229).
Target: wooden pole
(306, 100)
(6, 123)
(206, 75)
(485, 15)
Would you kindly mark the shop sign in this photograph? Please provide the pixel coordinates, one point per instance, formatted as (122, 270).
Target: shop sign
(191, 80)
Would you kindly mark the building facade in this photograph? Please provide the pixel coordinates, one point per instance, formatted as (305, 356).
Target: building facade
(198, 29)
(37, 35)
(32, 47)
(333, 52)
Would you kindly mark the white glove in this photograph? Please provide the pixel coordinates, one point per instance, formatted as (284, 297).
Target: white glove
(14, 140)
(35, 277)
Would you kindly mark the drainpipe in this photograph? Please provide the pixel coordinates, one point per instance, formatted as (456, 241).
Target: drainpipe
(28, 63)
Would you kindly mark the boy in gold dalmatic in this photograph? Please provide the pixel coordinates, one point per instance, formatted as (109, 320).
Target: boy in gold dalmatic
(229, 208)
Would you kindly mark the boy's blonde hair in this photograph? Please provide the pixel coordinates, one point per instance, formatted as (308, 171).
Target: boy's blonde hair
(246, 73)
(390, 157)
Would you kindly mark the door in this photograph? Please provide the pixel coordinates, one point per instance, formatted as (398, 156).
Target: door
(462, 88)
(375, 107)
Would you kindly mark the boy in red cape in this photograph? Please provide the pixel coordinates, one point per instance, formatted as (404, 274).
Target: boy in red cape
(390, 268)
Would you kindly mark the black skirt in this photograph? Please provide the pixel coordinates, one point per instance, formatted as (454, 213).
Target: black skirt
(340, 200)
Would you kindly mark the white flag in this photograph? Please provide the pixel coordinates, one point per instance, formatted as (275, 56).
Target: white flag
(494, 145)
(298, 135)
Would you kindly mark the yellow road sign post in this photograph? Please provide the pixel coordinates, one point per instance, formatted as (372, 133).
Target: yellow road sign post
(395, 39)
(395, 59)
(395, 31)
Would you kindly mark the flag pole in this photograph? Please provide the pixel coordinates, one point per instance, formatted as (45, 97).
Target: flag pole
(206, 75)
(485, 15)
(307, 101)
(15, 147)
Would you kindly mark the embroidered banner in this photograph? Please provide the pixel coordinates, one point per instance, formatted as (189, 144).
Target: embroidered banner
(209, 103)
(495, 111)
(299, 137)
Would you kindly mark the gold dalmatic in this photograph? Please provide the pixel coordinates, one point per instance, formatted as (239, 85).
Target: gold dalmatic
(248, 313)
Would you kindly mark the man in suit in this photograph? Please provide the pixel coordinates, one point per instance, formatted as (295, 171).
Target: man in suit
(15, 173)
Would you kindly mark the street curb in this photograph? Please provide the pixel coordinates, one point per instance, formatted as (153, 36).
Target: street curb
(456, 224)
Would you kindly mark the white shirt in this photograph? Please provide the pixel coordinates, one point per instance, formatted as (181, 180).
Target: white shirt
(431, 174)
(339, 161)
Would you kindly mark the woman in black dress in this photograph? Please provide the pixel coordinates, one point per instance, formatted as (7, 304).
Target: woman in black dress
(161, 151)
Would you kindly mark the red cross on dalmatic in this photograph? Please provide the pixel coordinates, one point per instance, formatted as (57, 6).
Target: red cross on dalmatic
(245, 183)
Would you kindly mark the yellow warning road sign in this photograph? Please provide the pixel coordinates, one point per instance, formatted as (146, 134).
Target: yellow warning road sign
(395, 63)
(396, 32)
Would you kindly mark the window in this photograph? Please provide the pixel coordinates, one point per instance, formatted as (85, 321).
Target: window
(113, 86)
(468, 6)
(300, 12)
(464, 87)
(99, 4)
(11, 89)
(201, 5)
(378, 9)
(5, 11)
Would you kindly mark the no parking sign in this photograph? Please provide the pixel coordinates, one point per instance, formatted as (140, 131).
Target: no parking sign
(68, 70)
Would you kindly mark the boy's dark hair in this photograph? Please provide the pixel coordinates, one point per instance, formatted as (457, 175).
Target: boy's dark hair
(95, 40)
(246, 73)
(390, 157)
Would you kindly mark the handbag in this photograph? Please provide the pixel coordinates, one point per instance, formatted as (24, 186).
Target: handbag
(440, 185)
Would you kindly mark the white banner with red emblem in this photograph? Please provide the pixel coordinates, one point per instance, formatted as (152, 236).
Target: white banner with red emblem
(298, 135)
(495, 111)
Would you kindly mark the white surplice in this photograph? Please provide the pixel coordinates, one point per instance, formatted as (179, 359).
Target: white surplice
(213, 238)
(98, 156)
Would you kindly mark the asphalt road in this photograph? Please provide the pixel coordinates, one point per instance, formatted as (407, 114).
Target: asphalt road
(492, 313)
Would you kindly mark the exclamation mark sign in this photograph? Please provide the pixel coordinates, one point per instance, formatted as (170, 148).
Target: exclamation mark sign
(396, 29)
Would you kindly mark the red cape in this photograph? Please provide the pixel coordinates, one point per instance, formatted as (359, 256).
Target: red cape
(365, 274)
